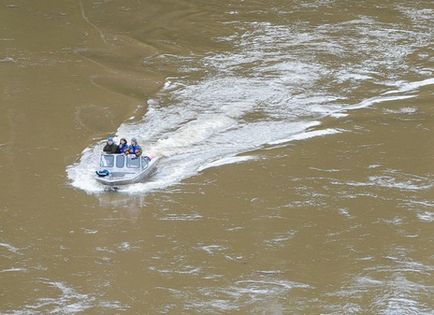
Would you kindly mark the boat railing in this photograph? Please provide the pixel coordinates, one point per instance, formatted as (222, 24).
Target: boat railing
(122, 161)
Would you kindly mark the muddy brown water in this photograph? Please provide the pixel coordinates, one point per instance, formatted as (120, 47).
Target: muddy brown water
(296, 144)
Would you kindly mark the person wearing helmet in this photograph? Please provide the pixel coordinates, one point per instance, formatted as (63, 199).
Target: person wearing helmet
(123, 146)
(110, 147)
(134, 148)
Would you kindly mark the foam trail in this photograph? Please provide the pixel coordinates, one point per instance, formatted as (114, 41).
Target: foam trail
(402, 88)
(255, 96)
(411, 86)
(377, 100)
(9, 247)
(227, 160)
(307, 135)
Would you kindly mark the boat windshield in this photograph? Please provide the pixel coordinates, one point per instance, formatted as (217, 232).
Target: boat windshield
(120, 161)
(133, 162)
(107, 160)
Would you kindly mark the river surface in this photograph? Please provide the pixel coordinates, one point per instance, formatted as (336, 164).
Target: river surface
(296, 144)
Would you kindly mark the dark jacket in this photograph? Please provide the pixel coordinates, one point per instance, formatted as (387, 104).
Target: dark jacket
(111, 148)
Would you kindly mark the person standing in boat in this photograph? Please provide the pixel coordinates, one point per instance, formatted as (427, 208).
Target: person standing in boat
(134, 148)
(123, 146)
(110, 147)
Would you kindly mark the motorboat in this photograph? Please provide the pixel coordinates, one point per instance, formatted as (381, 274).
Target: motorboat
(121, 169)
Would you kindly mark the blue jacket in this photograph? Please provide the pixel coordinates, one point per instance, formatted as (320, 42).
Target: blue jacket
(135, 149)
(123, 148)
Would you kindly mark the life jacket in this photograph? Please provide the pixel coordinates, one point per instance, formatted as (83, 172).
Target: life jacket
(135, 149)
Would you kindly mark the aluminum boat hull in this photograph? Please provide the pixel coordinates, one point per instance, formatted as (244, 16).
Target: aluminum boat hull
(130, 178)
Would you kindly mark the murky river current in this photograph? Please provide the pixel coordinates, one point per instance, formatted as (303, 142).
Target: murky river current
(296, 145)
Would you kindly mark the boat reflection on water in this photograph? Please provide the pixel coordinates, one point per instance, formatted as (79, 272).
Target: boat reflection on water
(126, 205)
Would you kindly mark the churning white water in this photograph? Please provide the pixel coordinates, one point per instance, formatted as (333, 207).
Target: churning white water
(274, 90)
